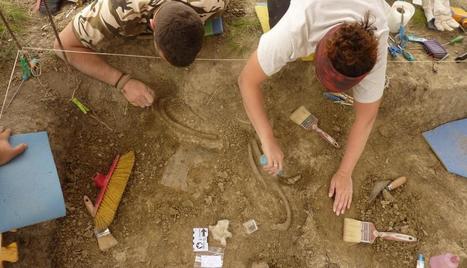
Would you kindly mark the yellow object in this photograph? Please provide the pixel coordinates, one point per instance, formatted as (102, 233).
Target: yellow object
(459, 15)
(262, 13)
(9, 253)
(310, 57)
(106, 211)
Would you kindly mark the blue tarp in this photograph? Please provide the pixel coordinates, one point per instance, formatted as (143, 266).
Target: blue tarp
(449, 142)
(30, 189)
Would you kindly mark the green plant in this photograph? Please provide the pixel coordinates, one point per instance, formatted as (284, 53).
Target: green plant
(16, 18)
(15, 15)
(240, 32)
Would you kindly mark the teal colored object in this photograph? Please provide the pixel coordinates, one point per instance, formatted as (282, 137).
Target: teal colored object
(449, 141)
(25, 68)
(213, 26)
(408, 56)
(416, 39)
(263, 160)
(30, 189)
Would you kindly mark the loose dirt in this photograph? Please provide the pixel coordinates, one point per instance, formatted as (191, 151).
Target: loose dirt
(154, 222)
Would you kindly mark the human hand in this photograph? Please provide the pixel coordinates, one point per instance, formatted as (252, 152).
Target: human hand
(341, 188)
(274, 155)
(7, 152)
(445, 23)
(138, 94)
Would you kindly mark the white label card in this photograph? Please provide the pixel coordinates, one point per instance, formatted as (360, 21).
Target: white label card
(417, 2)
(200, 239)
(211, 261)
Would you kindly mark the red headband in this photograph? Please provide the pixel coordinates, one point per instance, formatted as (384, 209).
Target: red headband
(329, 77)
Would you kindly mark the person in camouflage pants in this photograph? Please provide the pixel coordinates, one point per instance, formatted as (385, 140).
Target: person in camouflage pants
(177, 26)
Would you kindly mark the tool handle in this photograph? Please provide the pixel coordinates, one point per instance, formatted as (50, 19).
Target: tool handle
(408, 56)
(327, 137)
(397, 237)
(89, 206)
(396, 183)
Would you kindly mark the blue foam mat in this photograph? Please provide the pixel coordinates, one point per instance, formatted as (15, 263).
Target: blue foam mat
(449, 142)
(30, 189)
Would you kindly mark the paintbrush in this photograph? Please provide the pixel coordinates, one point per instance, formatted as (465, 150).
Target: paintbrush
(306, 120)
(111, 187)
(365, 232)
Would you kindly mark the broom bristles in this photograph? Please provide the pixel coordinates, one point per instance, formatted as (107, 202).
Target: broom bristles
(109, 205)
(352, 230)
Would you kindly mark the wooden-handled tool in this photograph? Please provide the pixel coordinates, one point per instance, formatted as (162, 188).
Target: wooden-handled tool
(105, 239)
(306, 120)
(365, 232)
(386, 186)
(396, 183)
(8, 253)
(396, 236)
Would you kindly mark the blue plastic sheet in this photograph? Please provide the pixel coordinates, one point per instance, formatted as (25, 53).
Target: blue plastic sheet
(30, 189)
(449, 142)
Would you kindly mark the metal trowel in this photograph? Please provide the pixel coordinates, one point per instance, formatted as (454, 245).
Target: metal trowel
(386, 185)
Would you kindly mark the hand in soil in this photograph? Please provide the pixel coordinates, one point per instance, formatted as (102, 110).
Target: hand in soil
(341, 188)
(138, 94)
(7, 152)
(274, 155)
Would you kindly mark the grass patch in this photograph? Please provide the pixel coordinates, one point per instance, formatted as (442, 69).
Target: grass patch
(16, 17)
(418, 20)
(240, 33)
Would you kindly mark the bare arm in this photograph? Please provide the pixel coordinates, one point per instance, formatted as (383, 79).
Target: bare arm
(249, 82)
(341, 183)
(365, 117)
(93, 65)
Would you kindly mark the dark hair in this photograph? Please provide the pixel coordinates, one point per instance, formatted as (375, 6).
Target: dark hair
(353, 49)
(178, 33)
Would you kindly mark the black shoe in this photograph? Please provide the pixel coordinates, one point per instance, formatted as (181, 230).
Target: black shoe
(54, 6)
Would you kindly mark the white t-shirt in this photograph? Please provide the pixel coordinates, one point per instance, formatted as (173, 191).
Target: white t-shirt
(307, 21)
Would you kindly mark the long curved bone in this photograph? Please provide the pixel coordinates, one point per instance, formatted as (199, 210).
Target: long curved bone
(253, 150)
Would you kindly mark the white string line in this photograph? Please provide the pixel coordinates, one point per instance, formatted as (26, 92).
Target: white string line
(9, 83)
(121, 55)
(201, 59)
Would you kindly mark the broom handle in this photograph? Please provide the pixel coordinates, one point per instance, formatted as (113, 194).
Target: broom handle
(397, 237)
(89, 206)
(327, 137)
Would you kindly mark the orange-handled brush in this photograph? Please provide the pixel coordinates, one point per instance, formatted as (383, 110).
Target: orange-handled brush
(111, 188)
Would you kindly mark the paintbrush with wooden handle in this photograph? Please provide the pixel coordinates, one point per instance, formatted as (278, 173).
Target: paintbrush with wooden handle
(306, 120)
(365, 232)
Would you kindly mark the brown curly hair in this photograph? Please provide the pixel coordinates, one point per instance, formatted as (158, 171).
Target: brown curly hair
(353, 49)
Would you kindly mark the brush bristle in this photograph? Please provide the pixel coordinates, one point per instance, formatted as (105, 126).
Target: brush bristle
(352, 230)
(300, 115)
(107, 241)
(109, 205)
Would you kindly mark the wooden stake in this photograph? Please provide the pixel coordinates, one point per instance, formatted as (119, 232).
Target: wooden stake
(49, 15)
(10, 31)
